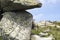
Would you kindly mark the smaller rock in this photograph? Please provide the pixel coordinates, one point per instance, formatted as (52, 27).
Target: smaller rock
(43, 34)
(58, 26)
(36, 37)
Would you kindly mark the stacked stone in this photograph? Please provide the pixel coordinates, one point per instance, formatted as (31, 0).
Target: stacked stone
(16, 23)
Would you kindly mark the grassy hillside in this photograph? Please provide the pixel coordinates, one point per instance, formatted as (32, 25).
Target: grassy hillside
(53, 30)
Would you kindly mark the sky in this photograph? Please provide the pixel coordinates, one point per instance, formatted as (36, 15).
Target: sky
(50, 10)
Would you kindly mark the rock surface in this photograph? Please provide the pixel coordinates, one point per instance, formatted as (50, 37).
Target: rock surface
(16, 25)
(36, 37)
(10, 5)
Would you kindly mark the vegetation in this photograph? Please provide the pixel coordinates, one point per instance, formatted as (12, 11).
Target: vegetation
(0, 38)
(57, 23)
(53, 30)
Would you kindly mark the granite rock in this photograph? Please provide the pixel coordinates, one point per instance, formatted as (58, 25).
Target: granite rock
(37, 37)
(10, 5)
(16, 25)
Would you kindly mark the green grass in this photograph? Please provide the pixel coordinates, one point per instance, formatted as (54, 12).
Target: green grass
(35, 31)
(0, 38)
(56, 33)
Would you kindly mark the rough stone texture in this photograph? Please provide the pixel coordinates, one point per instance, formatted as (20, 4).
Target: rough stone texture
(16, 25)
(9, 5)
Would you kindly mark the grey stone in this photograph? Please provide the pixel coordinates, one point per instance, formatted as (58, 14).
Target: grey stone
(37, 37)
(10, 5)
(16, 25)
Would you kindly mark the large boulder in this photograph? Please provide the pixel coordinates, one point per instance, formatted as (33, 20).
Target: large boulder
(10, 5)
(16, 25)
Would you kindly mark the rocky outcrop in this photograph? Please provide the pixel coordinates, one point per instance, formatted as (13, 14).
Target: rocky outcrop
(10, 5)
(16, 25)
